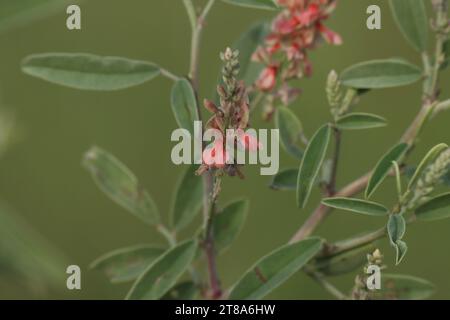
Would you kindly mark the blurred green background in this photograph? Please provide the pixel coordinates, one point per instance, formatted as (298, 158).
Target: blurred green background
(41, 177)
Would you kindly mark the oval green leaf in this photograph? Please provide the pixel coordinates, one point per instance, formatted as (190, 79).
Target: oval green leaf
(188, 198)
(127, 264)
(228, 224)
(274, 269)
(290, 130)
(383, 167)
(163, 273)
(426, 161)
(345, 262)
(400, 249)
(435, 209)
(396, 228)
(120, 184)
(356, 205)
(89, 72)
(359, 121)
(311, 163)
(411, 18)
(285, 180)
(379, 74)
(403, 287)
(256, 4)
(184, 104)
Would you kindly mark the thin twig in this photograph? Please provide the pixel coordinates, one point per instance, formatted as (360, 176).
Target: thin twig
(335, 292)
(208, 178)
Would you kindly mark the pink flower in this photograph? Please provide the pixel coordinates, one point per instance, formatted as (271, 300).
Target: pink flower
(295, 31)
(215, 156)
(329, 36)
(248, 141)
(267, 79)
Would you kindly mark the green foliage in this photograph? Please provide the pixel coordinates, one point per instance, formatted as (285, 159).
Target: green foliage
(379, 74)
(396, 228)
(426, 161)
(311, 163)
(356, 205)
(274, 269)
(285, 180)
(383, 167)
(290, 131)
(120, 184)
(127, 264)
(358, 121)
(184, 105)
(27, 258)
(183, 291)
(163, 273)
(411, 18)
(19, 13)
(228, 223)
(89, 72)
(257, 4)
(343, 263)
(188, 198)
(247, 44)
(403, 287)
(435, 209)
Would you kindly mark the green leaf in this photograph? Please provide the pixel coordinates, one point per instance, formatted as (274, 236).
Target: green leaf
(426, 161)
(257, 4)
(411, 18)
(120, 184)
(127, 264)
(184, 104)
(274, 269)
(163, 273)
(435, 209)
(400, 248)
(398, 179)
(358, 121)
(446, 50)
(182, 291)
(311, 164)
(383, 167)
(247, 45)
(379, 74)
(188, 198)
(290, 131)
(89, 72)
(228, 224)
(19, 13)
(403, 287)
(345, 262)
(285, 180)
(356, 205)
(27, 258)
(396, 228)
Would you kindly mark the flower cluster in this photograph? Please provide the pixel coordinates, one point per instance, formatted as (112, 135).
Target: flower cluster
(295, 31)
(232, 113)
(432, 176)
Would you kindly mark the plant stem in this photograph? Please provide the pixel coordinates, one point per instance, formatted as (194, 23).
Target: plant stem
(197, 25)
(196, 42)
(169, 75)
(169, 236)
(328, 286)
